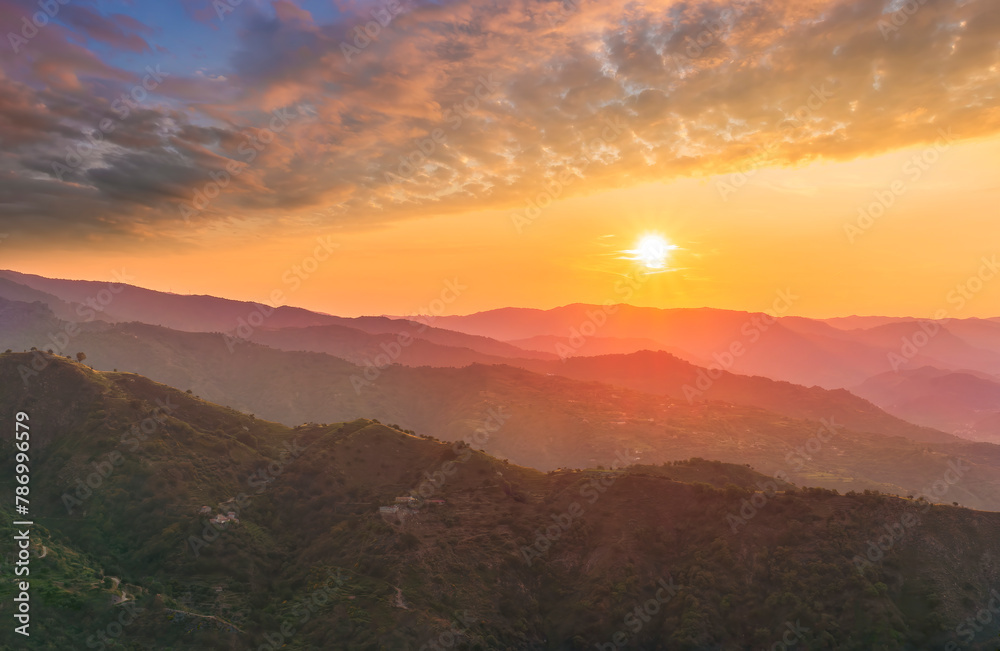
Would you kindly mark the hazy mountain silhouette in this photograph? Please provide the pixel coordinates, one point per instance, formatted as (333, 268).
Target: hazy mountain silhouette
(119, 301)
(663, 374)
(965, 403)
(827, 353)
(550, 421)
(943, 348)
(590, 346)
(794, 349)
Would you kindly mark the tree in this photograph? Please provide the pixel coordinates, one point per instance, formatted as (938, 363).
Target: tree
(81, 356)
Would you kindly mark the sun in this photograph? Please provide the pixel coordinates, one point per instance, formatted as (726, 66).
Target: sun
(652, 251)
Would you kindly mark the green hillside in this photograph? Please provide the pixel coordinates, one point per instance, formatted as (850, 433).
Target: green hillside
(512, 559)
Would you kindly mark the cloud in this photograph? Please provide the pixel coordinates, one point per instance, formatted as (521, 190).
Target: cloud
(418, 108)
(117, 30)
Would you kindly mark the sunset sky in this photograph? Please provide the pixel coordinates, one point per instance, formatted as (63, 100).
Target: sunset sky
(846, 151)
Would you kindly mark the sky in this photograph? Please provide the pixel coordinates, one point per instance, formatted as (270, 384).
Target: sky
(369, 157)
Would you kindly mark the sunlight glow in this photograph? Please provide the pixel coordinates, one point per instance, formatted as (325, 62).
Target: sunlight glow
(652, 251)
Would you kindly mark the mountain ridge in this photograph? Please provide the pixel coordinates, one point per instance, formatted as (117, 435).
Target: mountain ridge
(509, 558)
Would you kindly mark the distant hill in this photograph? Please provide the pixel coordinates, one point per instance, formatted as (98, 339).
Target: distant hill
(592, 346)
(548, 421)
(983, 334)
(511, 559)
(289, 328)
(661, 373)
(653, 372)
(119, 301)
(362, 348)
(830, 353)
(964, 403)
(772, 350)
(948, 349)
(426, 330)
(794, 349)
(383, 341)
(68, 311)
(856, 322)
(410, 343)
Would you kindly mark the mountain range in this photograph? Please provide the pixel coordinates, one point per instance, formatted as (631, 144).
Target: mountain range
(549, 473)
(570, 412)
(164, 521)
